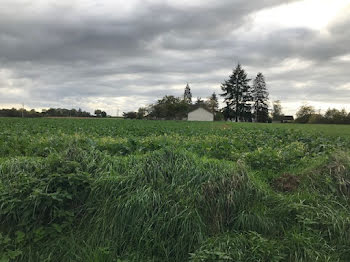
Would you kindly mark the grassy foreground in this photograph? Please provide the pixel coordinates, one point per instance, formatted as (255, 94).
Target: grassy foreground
(118, 190)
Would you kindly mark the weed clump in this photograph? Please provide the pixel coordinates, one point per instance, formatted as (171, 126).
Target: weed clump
(332, 176)
(223, 198)
(164, 203)
(286, 183)
(240, 247)
(339, 171)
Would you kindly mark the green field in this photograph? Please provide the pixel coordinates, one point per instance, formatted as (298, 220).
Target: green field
(123, 190)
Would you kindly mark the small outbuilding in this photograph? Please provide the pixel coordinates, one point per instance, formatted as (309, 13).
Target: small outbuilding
(200, 113)
(287, 119)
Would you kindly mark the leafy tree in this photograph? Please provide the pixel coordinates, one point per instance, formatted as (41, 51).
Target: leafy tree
(199, 101)
(213, 103)
(103, 114)
(73, 112)
(130, 115)
(98, 112)
(260, 98)
(307, 114)
(169, 107)
(277, 110)
(334, 116)
(13, 112)
(316, 119)
(304, 113)
(237, 94)
(188, 94)
(141, 113)
(32, 112)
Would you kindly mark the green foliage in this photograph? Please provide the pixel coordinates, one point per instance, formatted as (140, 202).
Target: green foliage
(188, 94)
(237, 94)
(116, 190)
(213, 104)
(333, 176)
(304, 113)
(331, 116)
(260, 97)
(8, 249)
(277, 111)
(40, 200)
(130, 115)
(52, 112)
(240, 247)
(170, 107)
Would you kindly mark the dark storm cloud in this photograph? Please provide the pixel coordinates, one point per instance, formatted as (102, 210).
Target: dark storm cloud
(52, 54)
(66, 34)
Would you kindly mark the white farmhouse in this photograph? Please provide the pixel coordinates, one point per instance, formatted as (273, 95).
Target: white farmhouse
(200, 114)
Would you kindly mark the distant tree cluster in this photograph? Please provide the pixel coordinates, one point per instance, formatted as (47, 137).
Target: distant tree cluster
(100, 113)
(174, 108)
(245, 103)
(13, 112)
(308, 114)
(170, 107)
(63, 112)
(140, 114)
(52, 112)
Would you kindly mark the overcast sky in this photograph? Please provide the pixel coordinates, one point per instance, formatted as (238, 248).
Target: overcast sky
(117, 54)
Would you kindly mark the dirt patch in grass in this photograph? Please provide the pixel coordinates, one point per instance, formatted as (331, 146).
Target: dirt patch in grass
(286, 183)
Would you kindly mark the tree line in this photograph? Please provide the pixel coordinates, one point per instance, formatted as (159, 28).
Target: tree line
(308, 114)
(52, 112)
(244, 102)
(176, 108)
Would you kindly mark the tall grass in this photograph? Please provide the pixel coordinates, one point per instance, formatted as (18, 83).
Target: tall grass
(196, 194)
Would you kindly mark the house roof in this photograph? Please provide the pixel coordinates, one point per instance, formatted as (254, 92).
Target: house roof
(195, 107)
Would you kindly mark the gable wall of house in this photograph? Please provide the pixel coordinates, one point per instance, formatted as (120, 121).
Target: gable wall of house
(200, 114)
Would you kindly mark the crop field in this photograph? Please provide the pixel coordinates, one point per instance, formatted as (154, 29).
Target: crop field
(101, 190)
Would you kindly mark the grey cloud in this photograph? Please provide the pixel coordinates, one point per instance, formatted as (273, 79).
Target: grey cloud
(64, 52)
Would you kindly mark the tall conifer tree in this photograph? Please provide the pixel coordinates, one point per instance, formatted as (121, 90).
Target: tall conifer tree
(188, 94)
(237, 94)
(260, 98)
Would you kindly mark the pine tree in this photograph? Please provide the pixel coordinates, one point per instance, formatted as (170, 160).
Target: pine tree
(260, 98)
(188, 94)
(237, 93)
